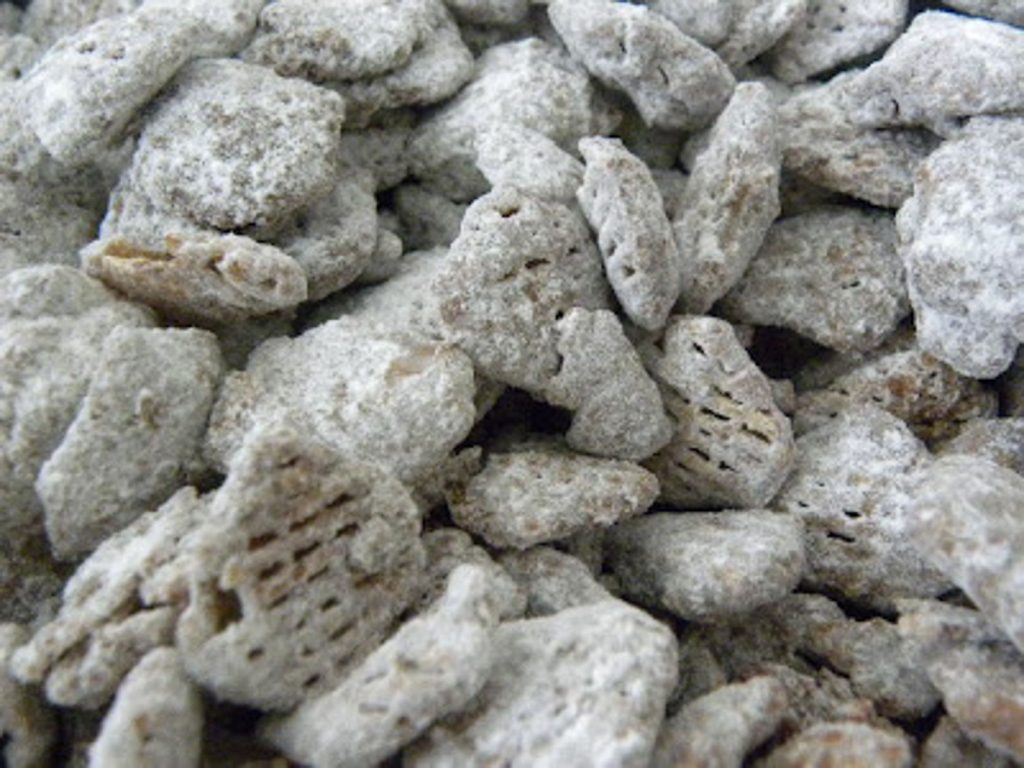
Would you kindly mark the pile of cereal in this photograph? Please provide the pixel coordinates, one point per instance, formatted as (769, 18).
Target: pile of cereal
(525, 383)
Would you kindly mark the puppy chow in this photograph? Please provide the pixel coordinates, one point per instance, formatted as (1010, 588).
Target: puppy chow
(519, 382)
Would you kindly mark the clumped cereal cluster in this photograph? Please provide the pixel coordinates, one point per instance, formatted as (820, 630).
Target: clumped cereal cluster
(511, 383)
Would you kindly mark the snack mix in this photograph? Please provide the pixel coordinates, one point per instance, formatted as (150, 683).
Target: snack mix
(512, 383)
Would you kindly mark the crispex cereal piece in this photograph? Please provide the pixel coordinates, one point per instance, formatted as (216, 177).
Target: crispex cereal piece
(730, 198)
(707, 565)
(232, 145)
(53, 319)
(528, 82)
(617, 409)
(732, 446)
(39, 225)
(588, 684)
(342, 39)
(802, 630)
(510, 155)
(334, 239)
(552, 580)
(624, 207)
(27, 726)
(136, 438)
(944, 68)
(979, 673)
(306, 562)
(961, 250)
(852, 486)
(821, 144)
(518, 265)
(847, 744)
(832, 275)
(757, 26)
(107, 621)
(933, 399)
(203, 278)
(528, 497)
(968, 519)
(721, 728)
(84, 91)
(834, 32)
(156, 718)
(395, 400)
(432, 667)
(998, 440)
(674, 81)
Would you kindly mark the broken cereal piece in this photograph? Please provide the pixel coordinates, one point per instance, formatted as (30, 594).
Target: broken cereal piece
(835, 32)
(730, 199)
(961, 250)
(523, 498)
(389, 398)
(617, 409)
(674, 81)
(518, 266)
(203, 278)
(707, 566)
(623, 205)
